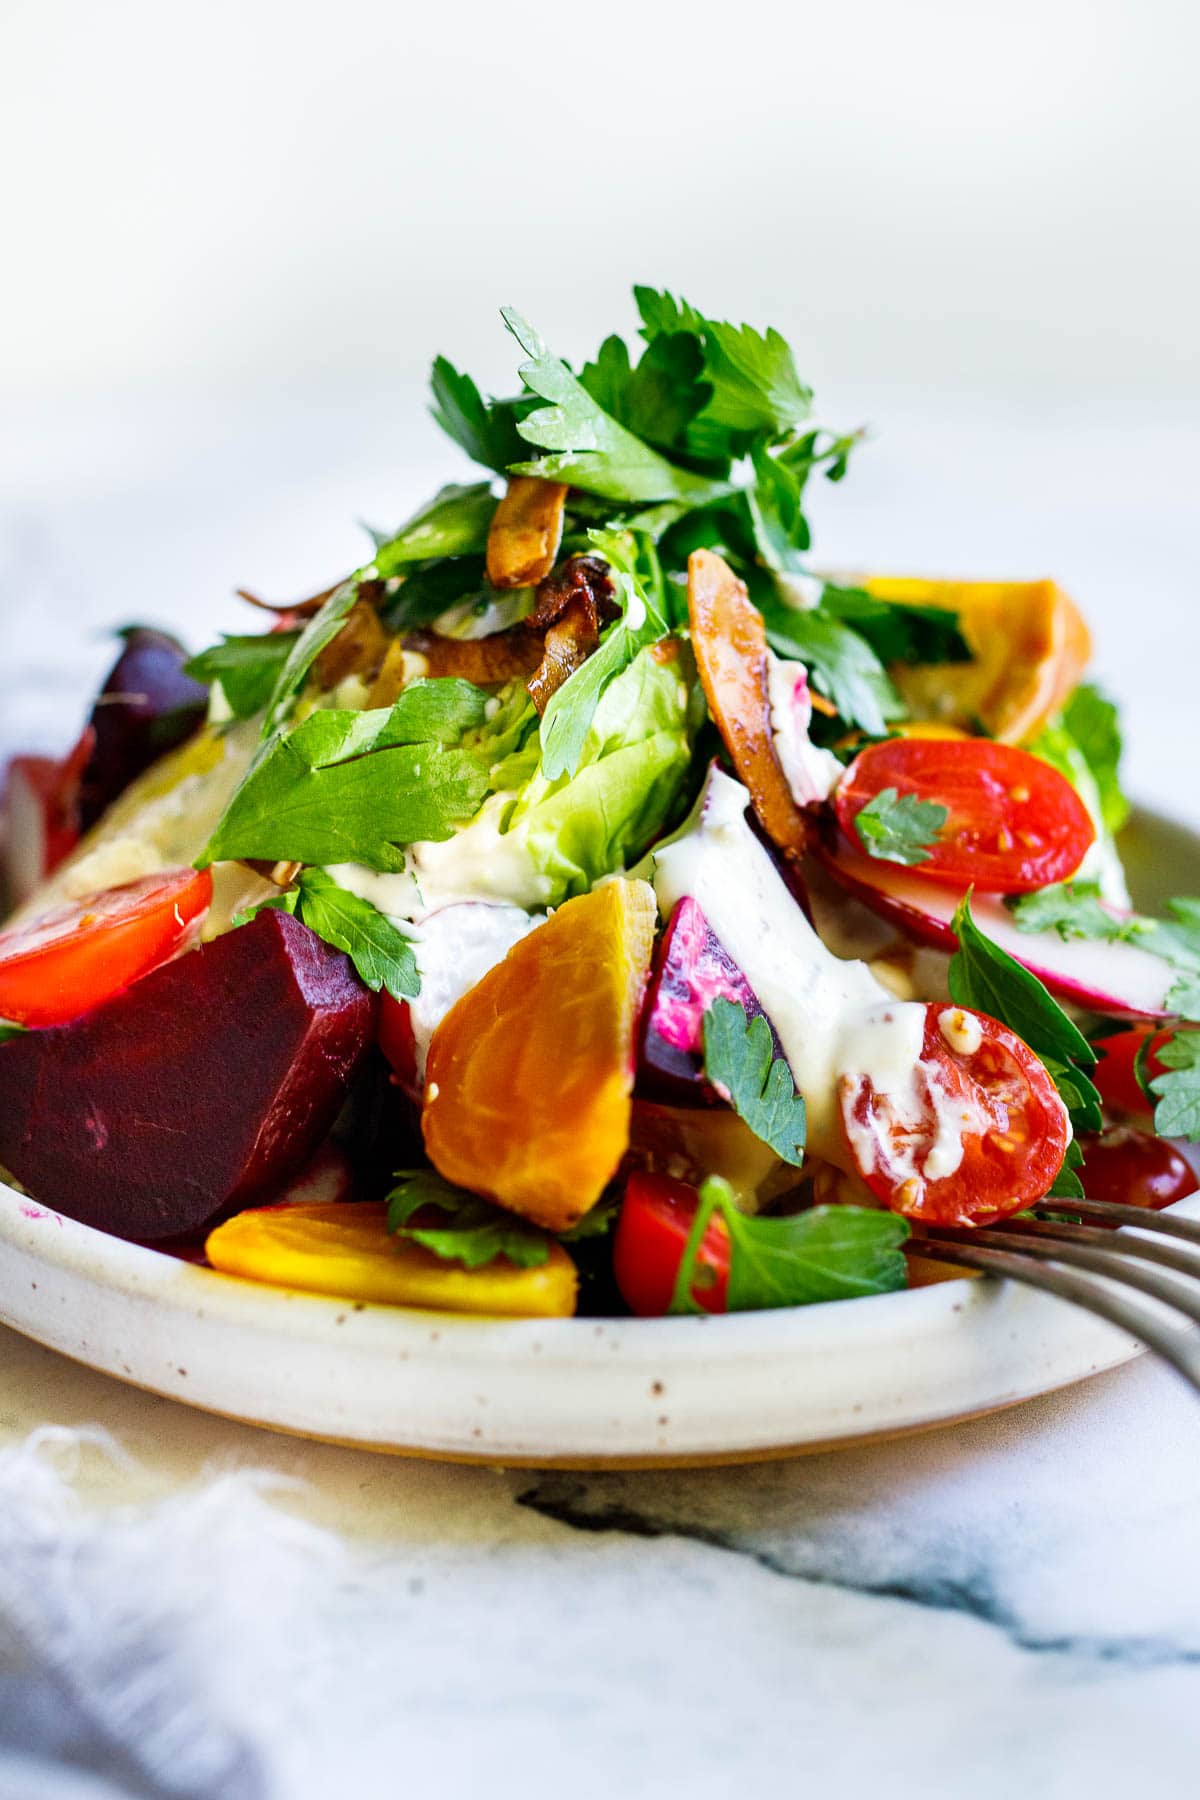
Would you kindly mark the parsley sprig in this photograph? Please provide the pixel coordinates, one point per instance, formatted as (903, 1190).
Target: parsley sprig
(382, 955)
(827, 1253)
(740, 1062)
(347, 786)
(984, 978)
(899, 828)
(424, 1208)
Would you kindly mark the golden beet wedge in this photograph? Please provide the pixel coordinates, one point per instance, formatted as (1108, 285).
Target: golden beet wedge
(525, 533)
(343, 1249)
(730, 645)
(529, 1076)
(1029, 647)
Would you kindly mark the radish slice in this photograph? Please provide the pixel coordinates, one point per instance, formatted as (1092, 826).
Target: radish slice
(1119, 980)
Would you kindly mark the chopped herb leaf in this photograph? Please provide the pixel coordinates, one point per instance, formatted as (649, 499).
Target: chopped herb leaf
(1093, 722)
(984, 978)
(740, 1062)
(1075, 910)
(455, 523)
(587, 447)
(381, 954)
(321, 630)
(899, 828)
(10, 1030)
(828, 1253)
(355, 787)
(467, 1229)
(1177, 1113)
(841, 662)
(246, 667)
(486, 429)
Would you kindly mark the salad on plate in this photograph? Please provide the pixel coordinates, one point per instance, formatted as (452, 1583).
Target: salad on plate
(590, 903)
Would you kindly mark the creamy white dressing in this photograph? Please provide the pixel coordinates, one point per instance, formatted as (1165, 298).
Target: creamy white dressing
(885, 1051)
(454, 949)
(480, 862)
(833, 1018)
(811, 773)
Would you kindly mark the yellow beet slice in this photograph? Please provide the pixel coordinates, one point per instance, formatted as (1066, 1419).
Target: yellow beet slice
(529, 1076)
(1029, 645)
(342, 1248)
(525, 532)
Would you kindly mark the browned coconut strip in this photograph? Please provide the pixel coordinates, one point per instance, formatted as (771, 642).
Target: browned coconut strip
(730, 645)
(525, 532)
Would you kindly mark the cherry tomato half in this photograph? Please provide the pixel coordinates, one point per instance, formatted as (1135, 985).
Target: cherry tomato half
(68, 961)
(1133, 1168)
(1116, 1074)
(979, 1133)
(652, 1231)
(1014, 822)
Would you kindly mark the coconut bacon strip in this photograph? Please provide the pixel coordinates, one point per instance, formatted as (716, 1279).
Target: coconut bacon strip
(526, 532)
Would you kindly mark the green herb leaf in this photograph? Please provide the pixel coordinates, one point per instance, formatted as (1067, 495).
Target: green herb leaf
(899, 828)
(355, 787)
(1066, 1184)
(984, 978)
(828, 1253)
(10, 1030)
(587, 447)
(486, 430)
(659, 396)
(467, 1229)
(1093, 722)
(753, 376)
(740, 1062)
(898, 633)
(246, 667)
(1178, 1092)
(381, 954)
(321, 630)
(455, 523)
(1074, 909)
(841, 662)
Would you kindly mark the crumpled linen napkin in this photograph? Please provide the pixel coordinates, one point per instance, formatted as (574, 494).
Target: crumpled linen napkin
(135, 1656)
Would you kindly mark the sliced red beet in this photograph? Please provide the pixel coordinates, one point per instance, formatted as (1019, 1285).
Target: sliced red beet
(146, 707)
(692, 968)
(196, 1092)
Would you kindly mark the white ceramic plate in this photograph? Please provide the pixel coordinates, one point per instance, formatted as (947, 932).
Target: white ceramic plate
(567, 1391)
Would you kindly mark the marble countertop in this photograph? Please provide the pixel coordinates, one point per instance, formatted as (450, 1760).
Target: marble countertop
(1010, 1606)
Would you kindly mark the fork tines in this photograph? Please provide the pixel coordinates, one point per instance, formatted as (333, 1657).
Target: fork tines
(1097, 1268)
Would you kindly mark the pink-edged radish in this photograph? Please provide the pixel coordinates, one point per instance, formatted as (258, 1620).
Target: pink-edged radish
(1119, 979)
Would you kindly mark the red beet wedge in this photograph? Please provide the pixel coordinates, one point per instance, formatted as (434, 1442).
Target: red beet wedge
(692, 968)
(196, 1092)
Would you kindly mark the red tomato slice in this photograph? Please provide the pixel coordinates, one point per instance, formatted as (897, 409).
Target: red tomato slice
(1132, 1168)
(1014, 822)
(980, 1133)
(652, 1231)
(1116, 1075)
(71, 959)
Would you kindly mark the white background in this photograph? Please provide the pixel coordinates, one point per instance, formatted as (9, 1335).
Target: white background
(233, 236)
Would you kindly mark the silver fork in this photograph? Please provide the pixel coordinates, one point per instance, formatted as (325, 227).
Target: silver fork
(1101, 1270)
